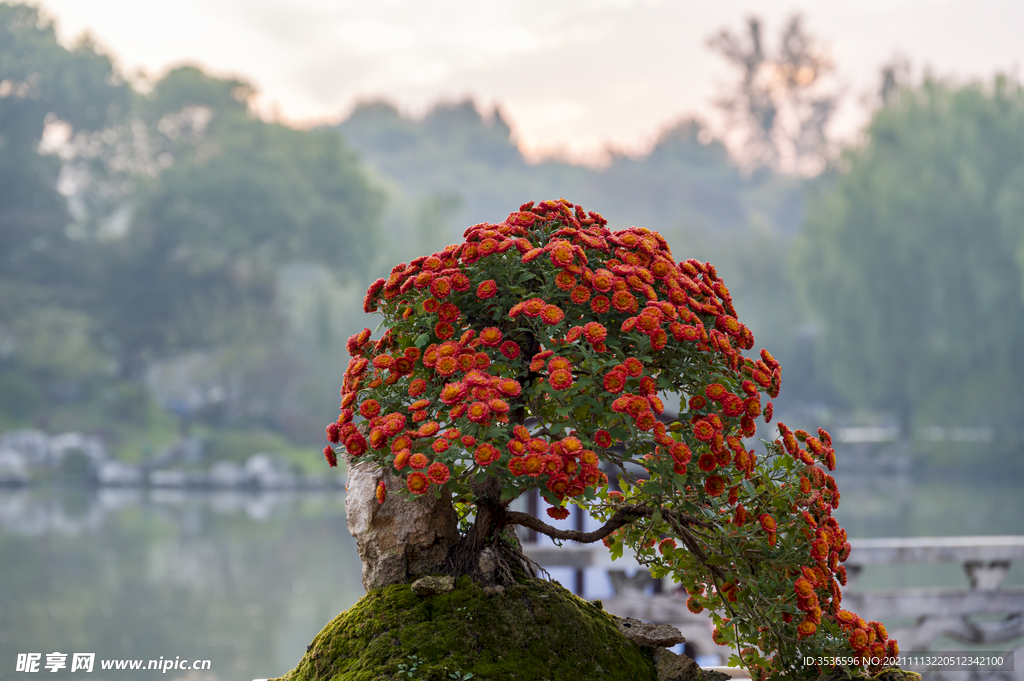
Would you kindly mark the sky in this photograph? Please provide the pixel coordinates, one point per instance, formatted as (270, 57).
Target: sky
(574, 78)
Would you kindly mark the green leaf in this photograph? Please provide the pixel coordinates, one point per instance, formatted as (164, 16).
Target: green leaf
(422, 340)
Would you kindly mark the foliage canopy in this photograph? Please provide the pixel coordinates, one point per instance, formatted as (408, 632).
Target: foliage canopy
(539, 351)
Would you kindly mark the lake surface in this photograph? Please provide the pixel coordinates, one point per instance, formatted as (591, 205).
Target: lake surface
(246, 580)
(242, 580)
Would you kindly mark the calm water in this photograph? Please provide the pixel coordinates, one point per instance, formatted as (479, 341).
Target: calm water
(242, 580)
(246, 580)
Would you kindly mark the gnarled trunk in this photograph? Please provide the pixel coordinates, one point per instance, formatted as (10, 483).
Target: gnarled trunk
(401, 540)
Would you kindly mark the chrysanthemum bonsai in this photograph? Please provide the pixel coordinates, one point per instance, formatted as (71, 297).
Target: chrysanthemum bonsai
(536, 354)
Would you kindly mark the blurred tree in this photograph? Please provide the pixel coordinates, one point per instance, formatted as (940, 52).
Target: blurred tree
(914, 254)
(783, 102)
(48, 96)
(235, 199)
(43, 87)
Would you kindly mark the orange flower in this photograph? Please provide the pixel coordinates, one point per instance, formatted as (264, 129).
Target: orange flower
(556, 363)
(551, 314)
(768, 523)
(369, 409)
(859, 639)
(803, 587)
(703, 430)
(533, 465)
(440, 446)
(666, 544)
(417, 483)
(440, 287)
(603, 439)
(479, 412)
(558, 513)
(510, 349)
(580, 295)
(532, 255)
(594, 332)
(732, 405)
(418, 461)
(444, 330)
(716, 391)
(633, 366)
(533, 307)
(707, 462)
(538, 445)
(561, 253)
(806, 628)
(428, 429)
(382, 492)
(332, 458)
(646, 420)
(448, 312)
(510, 387)
(401, 459)
(614, 381)
(589, 458)
(623, 301)
(680, 453)
(565, 281)
(714, 485)
(438, 473)
(491, 337)
(693, 606)
(600, 304)
(486, 289)
(486, 454)
(377, 438)
(602, 280)
(446, 366)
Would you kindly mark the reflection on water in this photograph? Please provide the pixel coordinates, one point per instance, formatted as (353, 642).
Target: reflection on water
(244, 580)
(247, 579)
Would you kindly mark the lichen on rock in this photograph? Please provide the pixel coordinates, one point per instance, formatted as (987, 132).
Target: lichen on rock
(533, 631)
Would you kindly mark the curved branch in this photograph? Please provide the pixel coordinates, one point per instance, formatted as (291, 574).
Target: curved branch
(623, 516)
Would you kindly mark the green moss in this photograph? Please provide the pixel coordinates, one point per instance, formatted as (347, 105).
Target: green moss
(534, 631)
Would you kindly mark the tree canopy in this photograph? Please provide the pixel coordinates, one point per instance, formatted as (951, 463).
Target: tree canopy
(536, 355)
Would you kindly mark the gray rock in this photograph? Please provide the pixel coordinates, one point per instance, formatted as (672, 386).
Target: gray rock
(118, 473)
(647, 634)
(672, 667)
(398, 540)
(433, 585)
(269, 473)
(494, 590)
(227, 474)
(488, 566)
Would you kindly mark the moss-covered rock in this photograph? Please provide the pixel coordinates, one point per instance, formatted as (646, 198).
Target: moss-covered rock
(533, 631)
